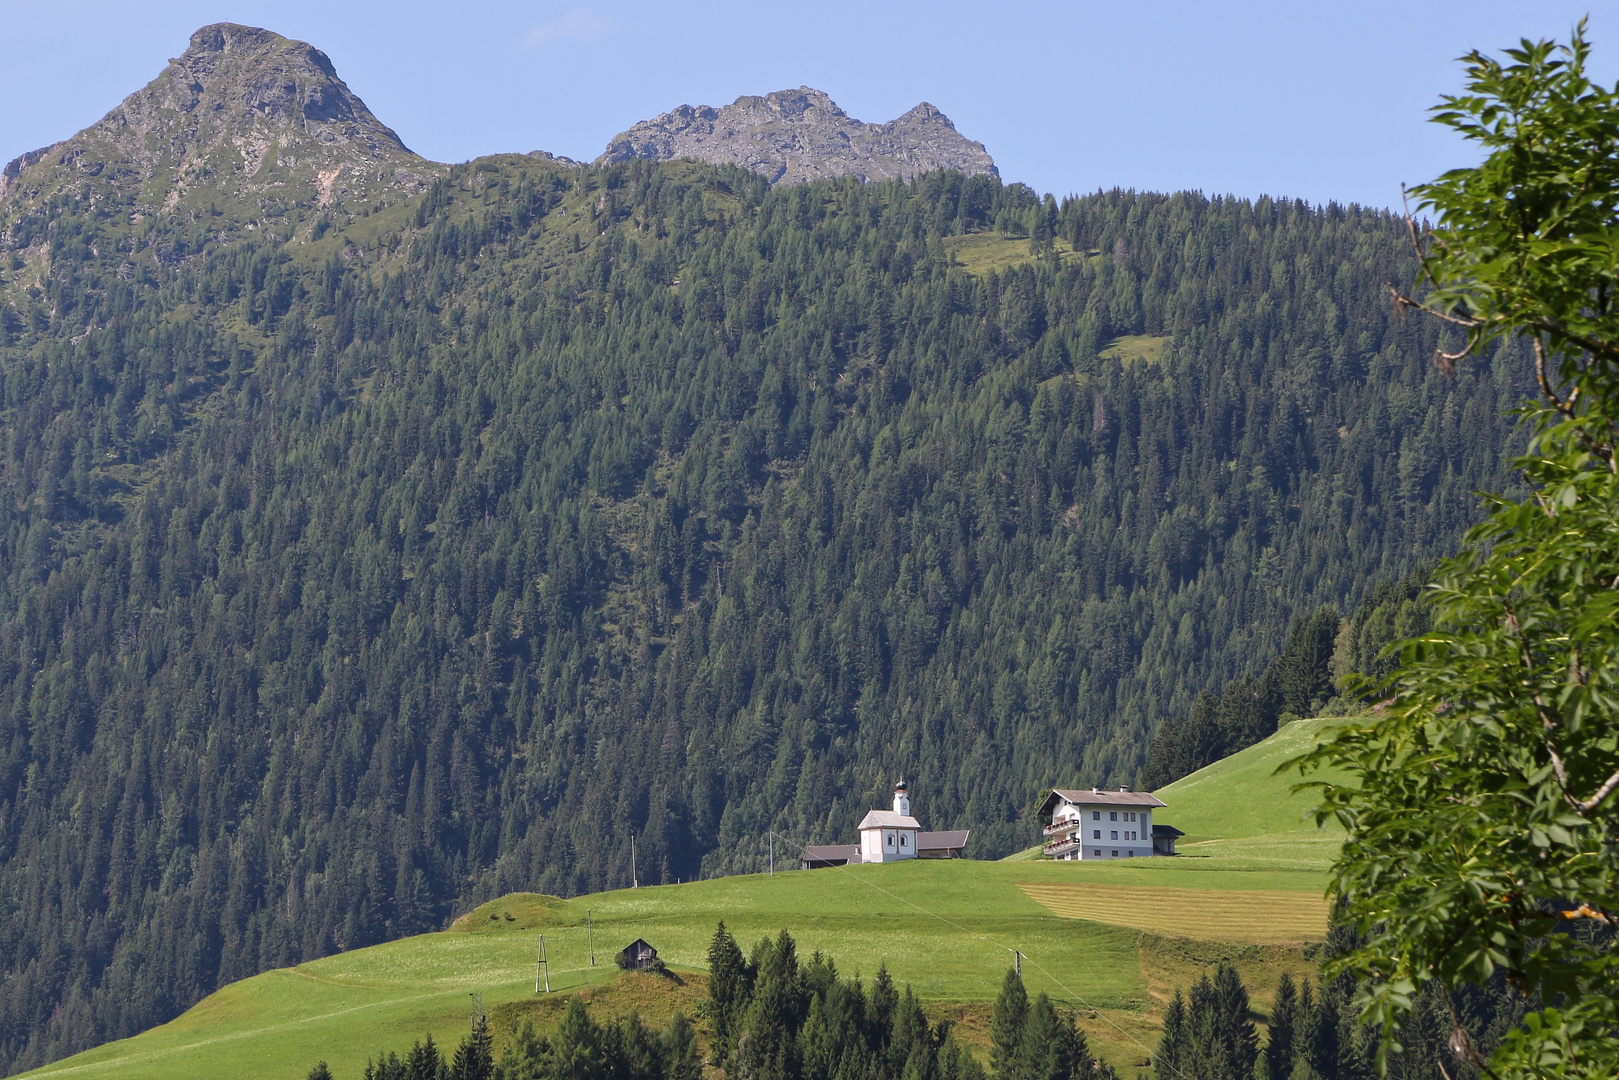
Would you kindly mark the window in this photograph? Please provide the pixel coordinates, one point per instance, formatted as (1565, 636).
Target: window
(1115, 835)
(1096, 815)
(1113, 816)
(1115, 854)
(1132, 854)
(1096, 851)
(901, 839)
(1096, 834)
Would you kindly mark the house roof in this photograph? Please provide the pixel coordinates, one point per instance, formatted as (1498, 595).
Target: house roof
(887, 819)
(1166, 830)
(951, 840)
(1097, 797)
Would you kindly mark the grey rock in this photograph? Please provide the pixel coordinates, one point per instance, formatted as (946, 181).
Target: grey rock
(242, 114)
(792, 136)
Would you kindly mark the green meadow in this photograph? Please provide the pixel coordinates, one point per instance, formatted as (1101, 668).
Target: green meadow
(945, 928)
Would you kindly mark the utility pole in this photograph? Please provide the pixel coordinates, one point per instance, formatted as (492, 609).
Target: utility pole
(590, 934)
(772, 853)
(1017, 961)
(635, 881)
(542, 967)
(477, 1009)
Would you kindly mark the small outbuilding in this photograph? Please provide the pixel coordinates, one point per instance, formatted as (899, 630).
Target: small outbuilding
(638, 956)
(1163, 839)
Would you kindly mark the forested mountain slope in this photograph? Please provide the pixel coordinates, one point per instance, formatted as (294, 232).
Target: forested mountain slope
(381, 561)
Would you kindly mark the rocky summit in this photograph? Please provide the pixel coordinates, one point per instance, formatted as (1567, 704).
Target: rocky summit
(242, 116)
(792, 136)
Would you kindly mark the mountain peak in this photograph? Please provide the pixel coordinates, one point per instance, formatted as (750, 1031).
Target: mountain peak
(791, 136)
(243, 113)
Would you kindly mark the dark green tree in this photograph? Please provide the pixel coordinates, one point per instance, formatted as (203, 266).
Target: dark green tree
(1007, 1025)
(1282, 1035)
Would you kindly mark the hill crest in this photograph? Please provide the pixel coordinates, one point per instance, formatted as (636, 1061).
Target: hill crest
(243, 114)
(792, 136)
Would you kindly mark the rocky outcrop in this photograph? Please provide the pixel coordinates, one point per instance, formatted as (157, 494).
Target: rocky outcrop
(243, 115)
(796, 135)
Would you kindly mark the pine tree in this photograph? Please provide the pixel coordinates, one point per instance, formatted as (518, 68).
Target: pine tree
(1280, 1044)
(320, 1072)
(423, 1062)
(681, 1059)
(575, 1047)
(1173, 1059)
(1050, 1046)
(729, 991)
(474, 1058)
(1007, 1026)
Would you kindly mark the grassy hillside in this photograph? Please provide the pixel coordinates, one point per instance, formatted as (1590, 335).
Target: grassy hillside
(1240, 807)
(1115, 938)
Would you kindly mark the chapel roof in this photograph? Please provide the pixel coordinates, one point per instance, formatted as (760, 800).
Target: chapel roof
(887, 819)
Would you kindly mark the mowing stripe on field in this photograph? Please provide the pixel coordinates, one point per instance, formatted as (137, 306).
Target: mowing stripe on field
(1251, 916)
(1152, 1055)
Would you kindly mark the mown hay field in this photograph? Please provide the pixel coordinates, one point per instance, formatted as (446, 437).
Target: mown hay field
(1256, 917)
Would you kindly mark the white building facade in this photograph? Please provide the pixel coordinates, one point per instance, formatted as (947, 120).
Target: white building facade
(1084, 825)
(890, 835)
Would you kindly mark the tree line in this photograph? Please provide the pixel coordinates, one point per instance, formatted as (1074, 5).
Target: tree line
(1329, 666)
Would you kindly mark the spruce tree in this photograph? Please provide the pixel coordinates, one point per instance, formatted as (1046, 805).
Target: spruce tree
(1007, 1025)
(1280, 1043)
(729, 990)
(424, 1062)
(1173, 1058)
(1239, 1038)
(474, 1058)
(680, 1056)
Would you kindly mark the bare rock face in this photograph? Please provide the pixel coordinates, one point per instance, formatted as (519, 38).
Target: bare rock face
(792, 136)
(242, 115)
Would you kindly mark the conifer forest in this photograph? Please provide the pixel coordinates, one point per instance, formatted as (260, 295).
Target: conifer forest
(361, 567)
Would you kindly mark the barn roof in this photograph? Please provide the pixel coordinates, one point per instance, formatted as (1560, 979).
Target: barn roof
(887, 819)
(950, 840)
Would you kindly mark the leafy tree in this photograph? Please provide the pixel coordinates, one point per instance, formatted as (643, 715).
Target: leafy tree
(1480, 806)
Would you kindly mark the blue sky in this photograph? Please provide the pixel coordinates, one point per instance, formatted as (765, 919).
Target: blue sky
(1307, 98)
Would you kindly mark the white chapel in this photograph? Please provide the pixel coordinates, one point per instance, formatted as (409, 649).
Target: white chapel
(889, 836)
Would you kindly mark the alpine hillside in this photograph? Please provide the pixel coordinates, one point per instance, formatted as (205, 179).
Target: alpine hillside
(370, 548)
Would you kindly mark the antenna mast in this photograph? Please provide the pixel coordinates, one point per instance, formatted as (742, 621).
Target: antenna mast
(542, 967)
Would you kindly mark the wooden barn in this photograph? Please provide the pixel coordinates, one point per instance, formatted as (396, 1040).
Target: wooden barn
(638, 956)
